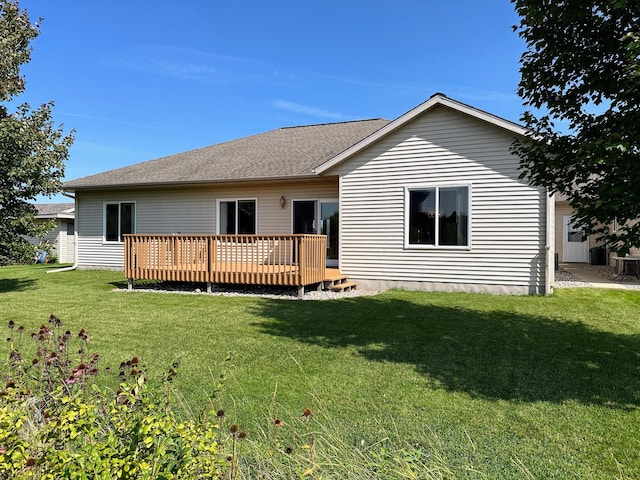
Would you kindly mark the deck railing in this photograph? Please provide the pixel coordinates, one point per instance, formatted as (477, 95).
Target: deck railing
(295, 260)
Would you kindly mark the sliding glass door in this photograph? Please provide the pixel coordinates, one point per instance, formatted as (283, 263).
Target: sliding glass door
(319, 217)
(329, 216)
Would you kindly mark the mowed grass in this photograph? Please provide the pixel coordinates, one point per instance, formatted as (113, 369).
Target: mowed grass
(495, 386)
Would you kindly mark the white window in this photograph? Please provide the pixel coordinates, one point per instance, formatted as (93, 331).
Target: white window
(237, 217)
(119, 219)
(438, 216)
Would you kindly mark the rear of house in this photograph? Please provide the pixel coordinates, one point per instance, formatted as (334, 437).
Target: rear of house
(239, 208)
(436, 204)
(429, 201)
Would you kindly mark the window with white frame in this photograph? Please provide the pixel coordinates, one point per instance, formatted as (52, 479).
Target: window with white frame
(438, 216)
(119, 219)
(237, 217)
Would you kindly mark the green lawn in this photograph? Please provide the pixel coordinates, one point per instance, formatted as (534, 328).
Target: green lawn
(498, 384)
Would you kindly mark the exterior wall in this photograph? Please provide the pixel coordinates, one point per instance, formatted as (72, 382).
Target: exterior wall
(508, 217)
(562, 210)
(70, 254)
(185, 210)
(58, 237)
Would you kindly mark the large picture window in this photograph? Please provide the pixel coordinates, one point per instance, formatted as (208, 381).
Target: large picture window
(438, 216)
(119, 219)
(237, 217)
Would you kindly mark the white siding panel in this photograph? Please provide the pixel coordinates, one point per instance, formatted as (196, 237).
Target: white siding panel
(442, 147)
(186, 211)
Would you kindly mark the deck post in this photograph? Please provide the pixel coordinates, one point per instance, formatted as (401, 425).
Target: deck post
(209, 287)
(300, 291)
(129, 283)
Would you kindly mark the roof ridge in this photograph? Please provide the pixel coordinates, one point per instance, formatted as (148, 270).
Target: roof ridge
(333, 123)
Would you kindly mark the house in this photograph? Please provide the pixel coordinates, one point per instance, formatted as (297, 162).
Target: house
(61, 237)
(572, 246)
(429, 201)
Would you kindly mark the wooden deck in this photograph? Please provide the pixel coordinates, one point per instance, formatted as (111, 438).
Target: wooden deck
(295, 260)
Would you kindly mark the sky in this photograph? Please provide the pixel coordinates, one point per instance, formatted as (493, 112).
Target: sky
(139, 80)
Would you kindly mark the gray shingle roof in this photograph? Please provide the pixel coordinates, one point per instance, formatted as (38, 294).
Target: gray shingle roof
(55, 210)
(283, 153)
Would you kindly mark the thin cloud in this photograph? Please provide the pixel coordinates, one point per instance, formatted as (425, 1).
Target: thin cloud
(165, 67)
(307, 110)
(370, 83)
(114, 153)
(111, 120)
(202, 66)
(196, 65)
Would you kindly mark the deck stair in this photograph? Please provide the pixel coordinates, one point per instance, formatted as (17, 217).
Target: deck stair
(337, 282)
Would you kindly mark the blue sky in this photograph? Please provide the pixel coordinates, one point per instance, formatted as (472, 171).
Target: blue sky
(142, 79)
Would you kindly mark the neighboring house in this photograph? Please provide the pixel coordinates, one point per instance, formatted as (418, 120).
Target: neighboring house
(61, 236)
(429, 201)
(572, 246)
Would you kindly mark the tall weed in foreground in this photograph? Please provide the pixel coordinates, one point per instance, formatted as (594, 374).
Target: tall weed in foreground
(287, 444)
(58, 421)
(304, 446)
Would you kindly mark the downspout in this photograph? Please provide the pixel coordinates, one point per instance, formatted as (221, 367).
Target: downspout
(75, 235)
(550, 246)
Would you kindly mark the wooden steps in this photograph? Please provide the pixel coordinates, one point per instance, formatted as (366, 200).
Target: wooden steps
(337, 282)
(344, 287)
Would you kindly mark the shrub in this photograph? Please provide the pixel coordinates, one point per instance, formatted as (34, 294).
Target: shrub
(56, 422)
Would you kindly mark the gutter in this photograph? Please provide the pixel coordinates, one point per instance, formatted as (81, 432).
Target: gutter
(191, 183)
(75, 234)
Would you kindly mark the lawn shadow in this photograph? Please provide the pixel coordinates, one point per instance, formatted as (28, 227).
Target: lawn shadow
(16, 284)
(495, 354)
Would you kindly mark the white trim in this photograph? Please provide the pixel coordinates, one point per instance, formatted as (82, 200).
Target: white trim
(437, 186)
(104, 221)
(236, 200)
(435, 100)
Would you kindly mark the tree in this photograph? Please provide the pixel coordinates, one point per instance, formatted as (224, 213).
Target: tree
(581, 76)
(32, 149)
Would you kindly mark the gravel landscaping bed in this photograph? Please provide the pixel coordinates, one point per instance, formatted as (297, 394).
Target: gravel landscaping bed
(264, 291)
(565, 279)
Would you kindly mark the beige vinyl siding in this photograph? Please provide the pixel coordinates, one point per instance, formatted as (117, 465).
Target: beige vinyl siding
(70, 242)
(64, 242)
(60, 241)
(186, 211)
(443, 147)
(562, 210)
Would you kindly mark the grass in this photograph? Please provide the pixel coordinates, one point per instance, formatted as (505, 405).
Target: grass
(495, 386)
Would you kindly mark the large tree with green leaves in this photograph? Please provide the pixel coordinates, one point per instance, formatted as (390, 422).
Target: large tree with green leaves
(581, 81)
(32, 149)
